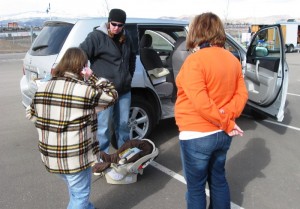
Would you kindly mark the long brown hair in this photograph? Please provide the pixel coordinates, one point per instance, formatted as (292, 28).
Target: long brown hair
(121, 35)
(74, 60)
(206, 28)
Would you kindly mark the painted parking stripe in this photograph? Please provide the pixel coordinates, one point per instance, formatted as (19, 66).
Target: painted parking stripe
(297, 95)
(11, 60)
(182, 180)
(283, 125)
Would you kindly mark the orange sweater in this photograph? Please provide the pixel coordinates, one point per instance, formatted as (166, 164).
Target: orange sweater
(209, 80)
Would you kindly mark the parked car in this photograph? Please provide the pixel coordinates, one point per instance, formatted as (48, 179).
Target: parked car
(154, 91)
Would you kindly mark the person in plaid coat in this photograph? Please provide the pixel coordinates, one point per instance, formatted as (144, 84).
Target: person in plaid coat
(64, 111)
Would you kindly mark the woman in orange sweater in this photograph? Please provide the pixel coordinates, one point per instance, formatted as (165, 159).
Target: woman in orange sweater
(211, 95)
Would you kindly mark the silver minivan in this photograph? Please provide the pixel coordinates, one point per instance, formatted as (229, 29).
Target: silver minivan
(160, 51)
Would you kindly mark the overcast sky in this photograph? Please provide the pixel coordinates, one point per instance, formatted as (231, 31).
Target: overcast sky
(230, 9)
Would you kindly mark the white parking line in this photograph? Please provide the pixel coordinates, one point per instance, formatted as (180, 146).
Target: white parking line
(297, 95)
(182, 180)
(10, 60)
(280, 124)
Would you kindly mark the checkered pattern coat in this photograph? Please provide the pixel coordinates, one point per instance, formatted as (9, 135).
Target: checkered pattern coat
(64, 113)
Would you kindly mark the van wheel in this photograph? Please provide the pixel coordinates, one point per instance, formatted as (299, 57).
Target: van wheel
(141, 118)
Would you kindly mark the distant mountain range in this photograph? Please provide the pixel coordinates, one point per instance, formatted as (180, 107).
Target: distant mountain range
(35, 18)
(38, 18)
(250, 20)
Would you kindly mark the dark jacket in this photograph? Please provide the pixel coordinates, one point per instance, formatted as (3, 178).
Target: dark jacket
(108, 61)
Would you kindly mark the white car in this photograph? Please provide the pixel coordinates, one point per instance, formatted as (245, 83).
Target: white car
(154, 91)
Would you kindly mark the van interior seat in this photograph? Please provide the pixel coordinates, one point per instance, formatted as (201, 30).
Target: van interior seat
(151, 60)
(179, 54)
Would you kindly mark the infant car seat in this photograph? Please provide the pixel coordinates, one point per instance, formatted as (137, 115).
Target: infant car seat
(130, 160)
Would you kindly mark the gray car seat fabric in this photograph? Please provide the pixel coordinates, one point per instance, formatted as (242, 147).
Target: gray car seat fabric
(149, 56)
(151, 60)
(180, 53)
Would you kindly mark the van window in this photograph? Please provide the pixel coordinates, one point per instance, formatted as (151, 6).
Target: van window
(233, 49)
(159, 41)
(50, 40)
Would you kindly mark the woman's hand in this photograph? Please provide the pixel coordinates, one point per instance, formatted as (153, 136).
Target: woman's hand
(236, 131)
(86, 73)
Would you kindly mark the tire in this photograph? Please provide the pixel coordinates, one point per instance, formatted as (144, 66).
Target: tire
(141, 118)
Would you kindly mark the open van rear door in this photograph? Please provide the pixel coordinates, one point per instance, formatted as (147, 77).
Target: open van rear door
(266, 73)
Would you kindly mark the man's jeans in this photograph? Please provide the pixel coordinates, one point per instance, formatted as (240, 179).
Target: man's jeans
(118, 115)
(79, 187)
(203, 160)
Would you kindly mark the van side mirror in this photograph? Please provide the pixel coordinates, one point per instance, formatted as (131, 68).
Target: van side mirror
(261, 51)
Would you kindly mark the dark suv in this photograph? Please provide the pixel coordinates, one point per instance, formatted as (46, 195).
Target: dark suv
(160, 49)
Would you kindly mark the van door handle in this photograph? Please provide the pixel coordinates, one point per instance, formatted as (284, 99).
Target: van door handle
(256, 70)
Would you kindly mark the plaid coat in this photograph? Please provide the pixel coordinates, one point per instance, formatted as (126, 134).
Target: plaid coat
(64, 113)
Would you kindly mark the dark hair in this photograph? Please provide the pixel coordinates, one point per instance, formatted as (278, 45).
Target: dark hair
(74, 60)
(206, 28)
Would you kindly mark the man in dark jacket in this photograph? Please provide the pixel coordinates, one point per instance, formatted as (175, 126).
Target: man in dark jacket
(111, 55)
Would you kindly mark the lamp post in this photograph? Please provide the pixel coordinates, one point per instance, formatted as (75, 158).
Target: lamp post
(48, 10)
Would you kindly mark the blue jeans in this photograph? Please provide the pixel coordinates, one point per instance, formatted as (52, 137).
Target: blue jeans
(79, 186)
(118, 115)
(203, 160)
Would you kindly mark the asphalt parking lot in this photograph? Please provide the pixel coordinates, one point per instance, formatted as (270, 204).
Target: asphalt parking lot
(263, 165)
